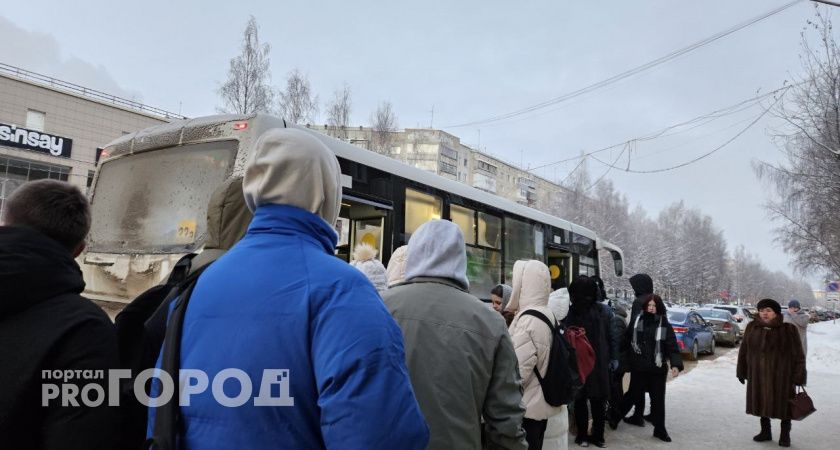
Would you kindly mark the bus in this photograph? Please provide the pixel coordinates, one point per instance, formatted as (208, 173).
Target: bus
(150, 193)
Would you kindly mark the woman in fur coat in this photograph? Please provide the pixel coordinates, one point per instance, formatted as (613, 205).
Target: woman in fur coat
(772, 361)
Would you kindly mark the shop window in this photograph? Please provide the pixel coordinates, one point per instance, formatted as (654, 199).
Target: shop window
(419, 209)
(35, 120)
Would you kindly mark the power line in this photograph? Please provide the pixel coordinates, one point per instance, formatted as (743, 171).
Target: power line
(616, 78)
(722, 112)
(703, 156)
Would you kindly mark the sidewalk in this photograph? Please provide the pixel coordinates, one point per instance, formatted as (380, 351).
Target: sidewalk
(705, 407)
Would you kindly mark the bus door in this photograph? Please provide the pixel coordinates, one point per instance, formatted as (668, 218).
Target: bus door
(559, 261)
(361, 221)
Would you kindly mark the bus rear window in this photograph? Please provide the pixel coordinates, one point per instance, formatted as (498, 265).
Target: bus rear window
(156, 201)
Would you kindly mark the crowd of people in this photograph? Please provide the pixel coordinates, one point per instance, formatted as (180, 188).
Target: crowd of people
(375, 358)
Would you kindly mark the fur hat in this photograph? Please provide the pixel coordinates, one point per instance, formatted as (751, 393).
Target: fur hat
(769, 303)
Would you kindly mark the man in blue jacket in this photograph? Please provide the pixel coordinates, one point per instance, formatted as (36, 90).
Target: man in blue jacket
(308, 333)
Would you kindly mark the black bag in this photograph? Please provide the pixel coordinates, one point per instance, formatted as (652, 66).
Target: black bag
(801, 405)
(561, 381)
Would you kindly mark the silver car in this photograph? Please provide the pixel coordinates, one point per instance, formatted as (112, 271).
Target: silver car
(741, 315)
(726, 327)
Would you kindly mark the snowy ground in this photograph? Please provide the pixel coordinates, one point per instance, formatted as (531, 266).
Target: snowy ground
(705, 407)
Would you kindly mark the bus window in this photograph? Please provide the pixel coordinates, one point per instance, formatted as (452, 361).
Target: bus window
(559, 264)
(489, 231)
(483, 270)
(465, 219)
(419, 209)
(360, 223)
(519, 244)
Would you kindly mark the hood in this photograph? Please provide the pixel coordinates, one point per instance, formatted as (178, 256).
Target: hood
(34, 268)
(531, 285)
(292, 167)
(583, 293)
(396, 265)
(227, 216)
(558, 302)
(642, 284)
(506, 292)
(437, 249)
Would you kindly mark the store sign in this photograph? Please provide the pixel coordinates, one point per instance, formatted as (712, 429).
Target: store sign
(15, 136)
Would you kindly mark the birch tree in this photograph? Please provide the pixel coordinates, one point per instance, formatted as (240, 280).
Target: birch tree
(298, 104)
(248, 87)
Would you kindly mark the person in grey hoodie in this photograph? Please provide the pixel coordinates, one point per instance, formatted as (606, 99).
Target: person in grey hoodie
(459, 354)
(795, 316)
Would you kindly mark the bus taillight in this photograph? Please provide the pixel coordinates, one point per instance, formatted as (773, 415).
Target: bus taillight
(240, 125)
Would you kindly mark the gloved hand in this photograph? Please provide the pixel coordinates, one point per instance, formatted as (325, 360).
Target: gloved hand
(613, 365)
(743, 381)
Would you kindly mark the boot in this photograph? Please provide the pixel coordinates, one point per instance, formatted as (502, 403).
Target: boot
(636, 419)
(784, 438)
(765, 431)
(661, 434)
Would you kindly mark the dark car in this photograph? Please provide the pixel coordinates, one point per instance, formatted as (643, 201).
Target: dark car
(726, 327)
(694, 334)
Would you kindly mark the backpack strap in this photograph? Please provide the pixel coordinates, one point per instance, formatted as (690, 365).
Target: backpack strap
(168, 416)
(181, 270)
(539, 315)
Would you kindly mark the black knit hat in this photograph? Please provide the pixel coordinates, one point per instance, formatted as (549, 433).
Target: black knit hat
(642, 284)
(769, 303)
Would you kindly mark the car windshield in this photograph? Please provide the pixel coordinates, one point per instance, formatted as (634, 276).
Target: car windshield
(676, 316)
(713, 314)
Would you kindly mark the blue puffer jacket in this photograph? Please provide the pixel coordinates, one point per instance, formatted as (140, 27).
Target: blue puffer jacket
(279, 299)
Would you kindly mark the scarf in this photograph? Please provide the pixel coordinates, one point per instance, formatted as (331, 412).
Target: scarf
(639, 329)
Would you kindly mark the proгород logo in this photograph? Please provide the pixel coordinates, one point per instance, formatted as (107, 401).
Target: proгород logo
(92, 388)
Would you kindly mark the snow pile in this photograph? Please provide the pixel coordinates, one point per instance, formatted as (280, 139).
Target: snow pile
(824, 347)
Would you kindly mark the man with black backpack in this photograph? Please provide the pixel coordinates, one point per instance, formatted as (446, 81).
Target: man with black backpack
(539, 349)
(141, 326)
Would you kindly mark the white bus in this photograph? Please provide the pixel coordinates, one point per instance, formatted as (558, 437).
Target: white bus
(151, 190)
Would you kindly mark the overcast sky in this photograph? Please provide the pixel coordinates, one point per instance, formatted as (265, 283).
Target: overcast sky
(467, 61)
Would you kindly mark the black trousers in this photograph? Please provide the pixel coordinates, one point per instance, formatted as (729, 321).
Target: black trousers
(631, 400)
(582, 406)
(654, 384)
(534, 432)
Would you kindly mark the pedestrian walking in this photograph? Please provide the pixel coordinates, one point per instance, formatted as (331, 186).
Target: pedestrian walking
(532, 340)
(46, 326)
(585, 312)
(794, 315)
(459, 353)
(282, 310)
(364, 259)
(651, 345)
(771, 361)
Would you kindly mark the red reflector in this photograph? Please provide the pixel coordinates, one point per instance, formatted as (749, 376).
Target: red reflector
(240, 125)
(680, 329)
(682, 344)
(727, 326)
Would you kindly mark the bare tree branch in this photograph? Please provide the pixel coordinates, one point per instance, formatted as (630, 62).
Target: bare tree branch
(247, 89)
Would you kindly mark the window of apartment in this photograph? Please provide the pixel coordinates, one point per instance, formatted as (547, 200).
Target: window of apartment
(465, 162)
(448, 168)
(35, 120)
(90, 175)
(487, 167)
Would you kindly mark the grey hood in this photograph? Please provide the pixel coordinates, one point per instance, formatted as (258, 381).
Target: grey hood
(292, 167)
(437, 250)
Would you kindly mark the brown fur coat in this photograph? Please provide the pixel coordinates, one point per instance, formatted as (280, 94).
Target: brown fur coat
(773, 363)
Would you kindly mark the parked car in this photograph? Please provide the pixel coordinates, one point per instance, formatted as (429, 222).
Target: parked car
(694, 334)
(726, 328)
(740, 314)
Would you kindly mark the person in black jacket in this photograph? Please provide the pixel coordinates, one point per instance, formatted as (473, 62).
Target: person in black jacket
(642, 287)
(47, 327)
(650, 344)
(585, 312)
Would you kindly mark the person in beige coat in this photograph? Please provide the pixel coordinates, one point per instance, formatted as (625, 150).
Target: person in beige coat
(532, 342)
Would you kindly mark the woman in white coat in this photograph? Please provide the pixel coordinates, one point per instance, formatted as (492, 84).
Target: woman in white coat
(532, 341)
